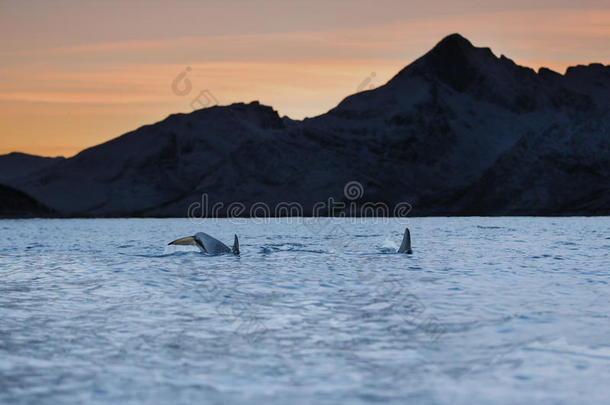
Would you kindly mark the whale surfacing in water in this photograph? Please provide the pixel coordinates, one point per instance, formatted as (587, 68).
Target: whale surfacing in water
(405, 246)
(208, 244)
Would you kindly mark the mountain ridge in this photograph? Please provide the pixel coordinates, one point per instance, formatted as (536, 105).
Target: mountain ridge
(438, 135)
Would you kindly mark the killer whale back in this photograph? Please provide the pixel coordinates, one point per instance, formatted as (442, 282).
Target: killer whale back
(211, 245)
(208, 244)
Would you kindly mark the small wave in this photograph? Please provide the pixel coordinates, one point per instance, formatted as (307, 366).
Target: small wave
(165, 254)
(389, 244)
(266, 250)
(35, 246)
(287, 247)
(283, 245)
(561, 346)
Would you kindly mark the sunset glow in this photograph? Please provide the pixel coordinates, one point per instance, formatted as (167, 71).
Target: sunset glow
(75, 75)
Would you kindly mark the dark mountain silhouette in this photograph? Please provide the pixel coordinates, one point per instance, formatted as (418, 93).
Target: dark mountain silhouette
(15, 165)
(17, 204)
(457, 132)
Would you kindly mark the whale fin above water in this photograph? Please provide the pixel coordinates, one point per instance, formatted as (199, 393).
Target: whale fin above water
(235, 246)
(186, 241)
(405, 246)
(207, 244)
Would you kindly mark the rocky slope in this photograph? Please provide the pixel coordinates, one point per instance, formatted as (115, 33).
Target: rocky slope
(458, 131)
(16, 204)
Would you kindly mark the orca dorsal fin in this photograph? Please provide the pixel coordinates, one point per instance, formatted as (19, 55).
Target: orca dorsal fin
(236, 246)
(405, 246)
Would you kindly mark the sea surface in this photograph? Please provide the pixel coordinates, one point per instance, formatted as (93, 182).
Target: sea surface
(486, 310)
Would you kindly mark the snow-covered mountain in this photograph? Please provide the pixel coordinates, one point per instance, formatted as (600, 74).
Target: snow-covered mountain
(458, 131)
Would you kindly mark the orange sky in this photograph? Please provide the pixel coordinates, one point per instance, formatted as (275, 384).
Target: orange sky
(74, 74)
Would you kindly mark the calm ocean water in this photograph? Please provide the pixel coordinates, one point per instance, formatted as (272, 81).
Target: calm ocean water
(486, 310)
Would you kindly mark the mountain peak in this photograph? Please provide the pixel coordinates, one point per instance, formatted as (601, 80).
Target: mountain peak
(453, 42)
(455, 48)
(454, 61)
